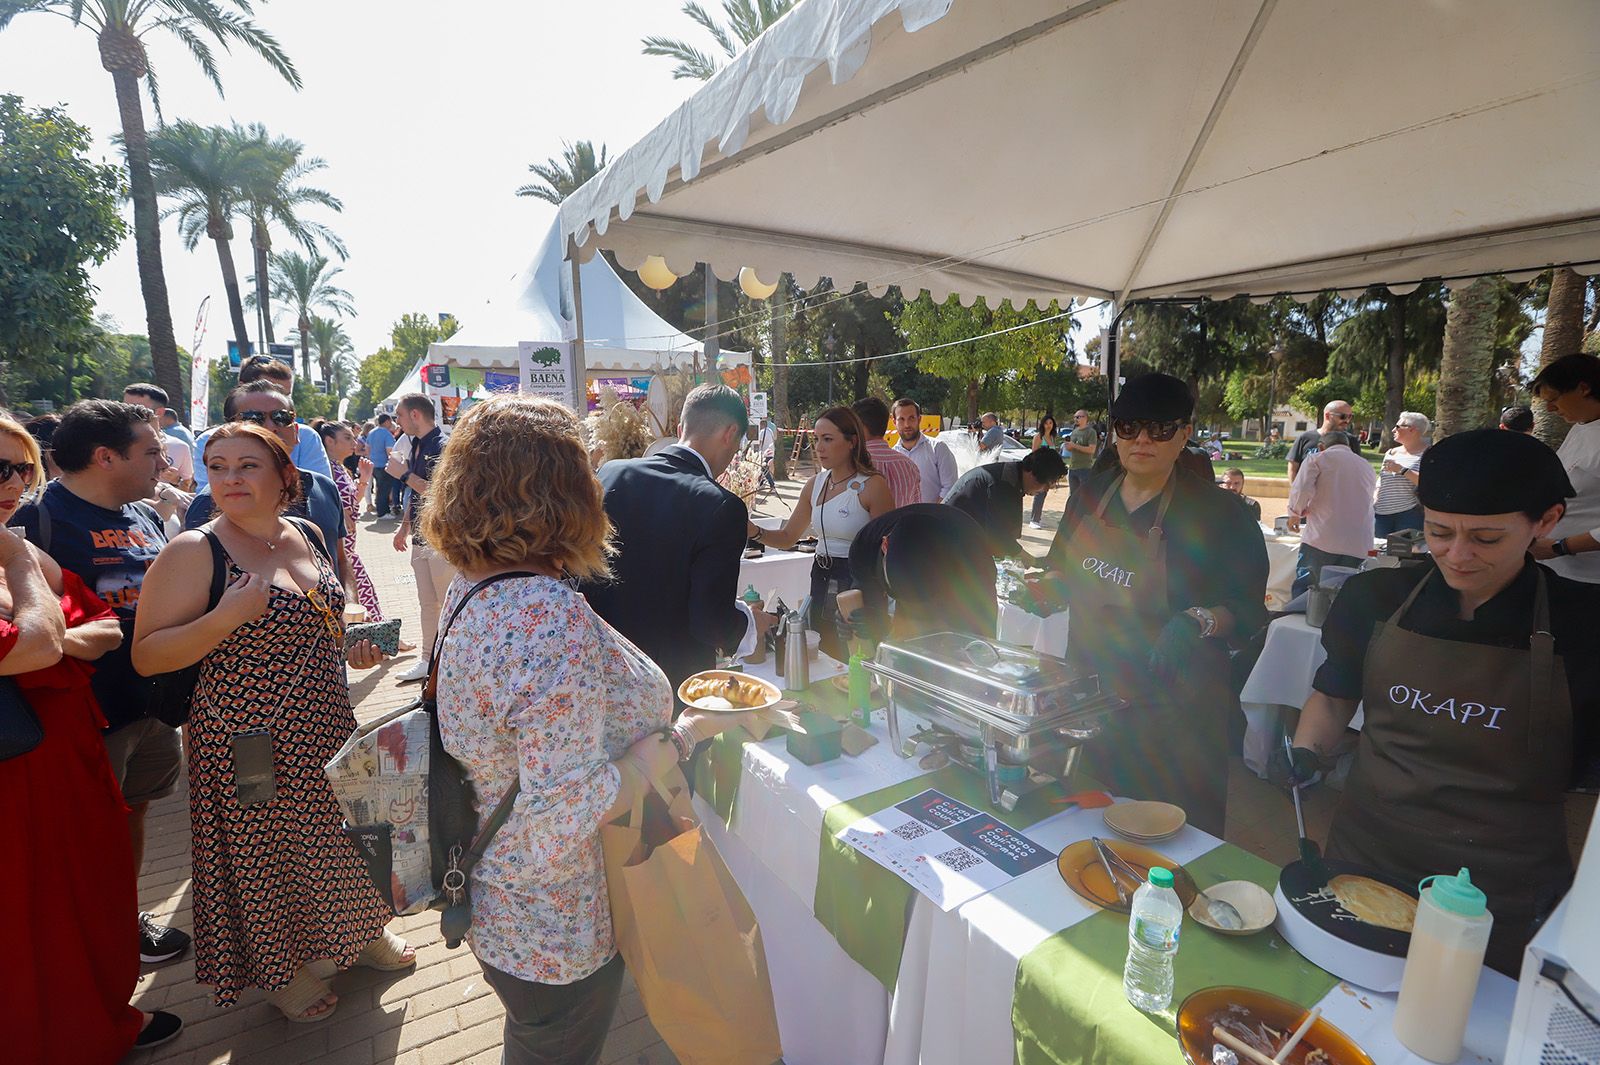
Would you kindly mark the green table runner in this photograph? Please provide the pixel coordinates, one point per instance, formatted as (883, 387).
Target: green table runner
(862, 904)
(1068, 1008)
(719, 766)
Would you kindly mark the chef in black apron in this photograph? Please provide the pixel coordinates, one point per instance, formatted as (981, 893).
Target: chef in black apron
(1162, 569)
(1477, 674)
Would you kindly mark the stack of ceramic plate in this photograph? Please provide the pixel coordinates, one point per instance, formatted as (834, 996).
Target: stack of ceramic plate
(1145, 822)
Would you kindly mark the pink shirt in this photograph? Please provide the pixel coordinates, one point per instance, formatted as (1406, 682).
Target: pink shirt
(903, 475)
(1333, 492)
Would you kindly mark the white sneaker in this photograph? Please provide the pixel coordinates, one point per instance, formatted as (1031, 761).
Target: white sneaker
(418, 671)
(1034, 525)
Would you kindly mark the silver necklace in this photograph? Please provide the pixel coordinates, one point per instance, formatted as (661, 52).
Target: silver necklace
(272, 545)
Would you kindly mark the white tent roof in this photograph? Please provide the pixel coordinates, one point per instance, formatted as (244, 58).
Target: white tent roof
(621, 334)
(1126, 148)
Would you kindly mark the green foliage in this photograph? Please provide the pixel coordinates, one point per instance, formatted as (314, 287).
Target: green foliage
(1279, 450)
(947, 327)
(381, 372)
(1311, 396)
(58, 215)
(560, 178)
(746, 20)
(1248, 395)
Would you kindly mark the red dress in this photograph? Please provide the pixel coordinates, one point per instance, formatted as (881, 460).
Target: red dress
(69, 889)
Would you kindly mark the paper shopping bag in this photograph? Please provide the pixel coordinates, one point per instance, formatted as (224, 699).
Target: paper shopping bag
(688, 936)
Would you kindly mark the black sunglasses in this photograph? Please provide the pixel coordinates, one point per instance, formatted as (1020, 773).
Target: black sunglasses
(20, 469)
(1160, 431)
(281, 418)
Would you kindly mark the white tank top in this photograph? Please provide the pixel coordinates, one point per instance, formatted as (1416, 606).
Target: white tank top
(836, 522)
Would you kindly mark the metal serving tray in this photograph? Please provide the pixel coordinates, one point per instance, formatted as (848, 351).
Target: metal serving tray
(1006, 684)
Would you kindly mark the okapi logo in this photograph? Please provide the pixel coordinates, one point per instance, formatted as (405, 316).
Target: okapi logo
(1123, 578)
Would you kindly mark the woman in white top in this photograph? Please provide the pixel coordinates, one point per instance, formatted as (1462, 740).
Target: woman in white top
(833, 506)
(1396, 506)
(1570, 387)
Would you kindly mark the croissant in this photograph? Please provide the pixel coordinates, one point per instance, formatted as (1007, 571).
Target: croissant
(739, 692)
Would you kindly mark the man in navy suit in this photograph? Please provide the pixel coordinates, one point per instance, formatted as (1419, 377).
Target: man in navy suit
(680, 536)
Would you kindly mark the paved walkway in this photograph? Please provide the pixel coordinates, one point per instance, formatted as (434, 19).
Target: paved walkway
(443, 1013)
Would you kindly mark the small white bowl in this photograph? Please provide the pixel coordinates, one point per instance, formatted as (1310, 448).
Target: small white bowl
(1253, 902)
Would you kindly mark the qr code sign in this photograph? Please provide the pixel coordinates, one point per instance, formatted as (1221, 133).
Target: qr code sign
(959, 858)
(911, 830)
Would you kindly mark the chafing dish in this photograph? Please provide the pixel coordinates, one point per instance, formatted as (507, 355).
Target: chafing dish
(1018, 707)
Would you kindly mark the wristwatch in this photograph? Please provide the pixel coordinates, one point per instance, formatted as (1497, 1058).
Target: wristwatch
(1206, 619)
(1560, 548)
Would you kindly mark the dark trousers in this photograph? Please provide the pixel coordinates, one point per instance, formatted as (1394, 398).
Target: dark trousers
(557, 1024)
(1384, 524)
(1308, 570)
(1038, 507)
(388, 492)
(1076, 479)
(826, 584)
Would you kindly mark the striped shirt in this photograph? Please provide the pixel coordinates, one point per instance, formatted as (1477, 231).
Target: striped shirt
(1396, 494)
(903, 475)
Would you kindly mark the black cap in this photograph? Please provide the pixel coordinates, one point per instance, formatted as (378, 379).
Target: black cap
(1491, 471)
(1156, 397)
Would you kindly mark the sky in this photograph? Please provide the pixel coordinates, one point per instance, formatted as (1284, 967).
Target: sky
(427, 115)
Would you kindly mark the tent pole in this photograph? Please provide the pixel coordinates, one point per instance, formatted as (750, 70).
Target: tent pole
(711, 316)
(579, 367)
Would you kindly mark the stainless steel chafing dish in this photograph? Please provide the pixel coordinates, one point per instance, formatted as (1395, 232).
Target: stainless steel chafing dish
(1010, 709)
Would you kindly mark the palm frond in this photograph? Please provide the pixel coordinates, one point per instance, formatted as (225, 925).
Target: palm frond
(709, 24)
(10, 9)
(693, 64)
(201, 53)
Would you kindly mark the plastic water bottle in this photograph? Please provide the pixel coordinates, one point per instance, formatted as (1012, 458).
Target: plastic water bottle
(1153, 929)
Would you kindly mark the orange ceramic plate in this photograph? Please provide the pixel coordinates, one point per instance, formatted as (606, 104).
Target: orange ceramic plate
(1246, 1013)
(1079, 865)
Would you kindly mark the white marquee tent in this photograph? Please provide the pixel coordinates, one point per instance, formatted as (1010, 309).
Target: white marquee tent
(623, 337)
(1126, 149)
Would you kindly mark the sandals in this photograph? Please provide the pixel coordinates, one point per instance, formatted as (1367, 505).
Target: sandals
(296, 999)
(388, 953)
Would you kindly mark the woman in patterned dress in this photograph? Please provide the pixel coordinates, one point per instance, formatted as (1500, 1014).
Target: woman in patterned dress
(536, 690)
(340, 443)
(276, 883)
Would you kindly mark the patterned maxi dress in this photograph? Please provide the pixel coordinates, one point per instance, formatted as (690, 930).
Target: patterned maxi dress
(365, 590)
(276, 885)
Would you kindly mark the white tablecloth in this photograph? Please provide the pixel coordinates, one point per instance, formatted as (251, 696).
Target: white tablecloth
(787, 571)
(1282, 554)
(1280, 680)
(952, 1004)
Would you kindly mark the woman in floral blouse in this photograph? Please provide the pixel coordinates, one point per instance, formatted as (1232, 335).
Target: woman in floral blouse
(535, 689)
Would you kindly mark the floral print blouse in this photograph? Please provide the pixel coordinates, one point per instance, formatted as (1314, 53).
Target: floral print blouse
(533, 685)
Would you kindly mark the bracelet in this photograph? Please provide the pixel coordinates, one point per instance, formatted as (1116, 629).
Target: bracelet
(681, 740)
(1560, 548)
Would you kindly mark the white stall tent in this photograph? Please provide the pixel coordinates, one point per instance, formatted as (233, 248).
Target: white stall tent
(1126, 149)
(623, 337)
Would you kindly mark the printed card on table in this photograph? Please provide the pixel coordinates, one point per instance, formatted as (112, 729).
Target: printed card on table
(947, 850)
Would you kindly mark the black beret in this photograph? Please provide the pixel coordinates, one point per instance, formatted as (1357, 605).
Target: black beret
(1153, 396)
(1491, 471)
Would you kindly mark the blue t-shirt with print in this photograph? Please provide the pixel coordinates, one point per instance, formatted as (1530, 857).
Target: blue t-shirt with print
(110, 551)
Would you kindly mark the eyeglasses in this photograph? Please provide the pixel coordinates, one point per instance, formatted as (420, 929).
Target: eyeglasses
(20, 469)
(1341, 417)
(1160, 431)
(281, 418)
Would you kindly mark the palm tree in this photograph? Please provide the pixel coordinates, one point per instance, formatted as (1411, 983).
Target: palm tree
(277, 194)
(746, 20)
(202, 170)
(1466, 370)
(305, 283)
(120, 26)
(328, 339)
(560, 178)
(1563, 335)
(343, 377)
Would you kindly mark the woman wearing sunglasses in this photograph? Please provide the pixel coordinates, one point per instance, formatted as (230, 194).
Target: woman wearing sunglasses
(1162, 569)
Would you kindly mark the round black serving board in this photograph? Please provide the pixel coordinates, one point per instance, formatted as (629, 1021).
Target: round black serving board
(1296, 882)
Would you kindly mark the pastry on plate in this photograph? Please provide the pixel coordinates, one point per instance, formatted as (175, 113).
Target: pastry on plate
(737, 692)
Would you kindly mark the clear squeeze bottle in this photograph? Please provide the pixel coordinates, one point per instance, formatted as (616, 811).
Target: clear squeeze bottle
(1441, 976)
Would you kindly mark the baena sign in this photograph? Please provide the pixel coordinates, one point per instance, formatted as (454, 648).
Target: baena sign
(546, 370)
(1123, 578)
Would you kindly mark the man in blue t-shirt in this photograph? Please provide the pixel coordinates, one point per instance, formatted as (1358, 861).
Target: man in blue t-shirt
(93, 521)
(262, 403)
(379, 441)
(306, 452)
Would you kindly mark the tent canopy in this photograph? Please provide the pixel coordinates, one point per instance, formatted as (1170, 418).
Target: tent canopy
(1125, 149)
(621, 334)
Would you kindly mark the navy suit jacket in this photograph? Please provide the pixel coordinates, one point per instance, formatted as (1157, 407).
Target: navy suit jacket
(680, 536)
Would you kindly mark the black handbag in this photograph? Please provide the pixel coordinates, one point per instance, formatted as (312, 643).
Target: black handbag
(20, 731)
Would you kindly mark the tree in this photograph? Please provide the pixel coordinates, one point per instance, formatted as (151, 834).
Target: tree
(120, 26)
(967, 360)
(1563, 335)
(58, 215)
(328, 339)
(306, 283)
(560, 178)
(1466, 369)
(276, 193)
(203, 170)
(746, 21)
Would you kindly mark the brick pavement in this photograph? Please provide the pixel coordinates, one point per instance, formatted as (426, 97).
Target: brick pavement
(441, 1013)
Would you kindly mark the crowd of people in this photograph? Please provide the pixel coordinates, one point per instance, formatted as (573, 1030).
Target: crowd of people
(561, 607)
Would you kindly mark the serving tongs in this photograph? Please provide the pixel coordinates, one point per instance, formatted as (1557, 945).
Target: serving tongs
(1114, 865)
(1310, 853)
